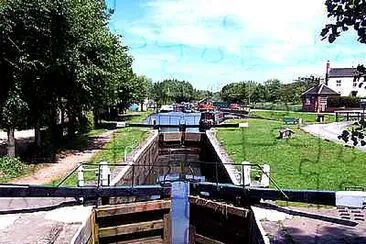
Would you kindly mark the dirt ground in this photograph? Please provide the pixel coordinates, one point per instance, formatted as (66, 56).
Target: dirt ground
(64, 163)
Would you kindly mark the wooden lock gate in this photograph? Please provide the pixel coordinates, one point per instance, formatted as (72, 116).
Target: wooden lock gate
(138, 222)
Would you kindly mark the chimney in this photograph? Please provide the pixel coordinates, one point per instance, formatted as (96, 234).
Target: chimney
(327, 72)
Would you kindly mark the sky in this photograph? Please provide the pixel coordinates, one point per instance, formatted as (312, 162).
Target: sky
(211, 43)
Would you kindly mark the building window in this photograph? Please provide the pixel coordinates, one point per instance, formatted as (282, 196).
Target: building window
(353, 93)
(307, 101)
(338, 83)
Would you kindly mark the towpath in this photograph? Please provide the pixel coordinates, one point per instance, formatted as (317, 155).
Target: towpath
(65, 162)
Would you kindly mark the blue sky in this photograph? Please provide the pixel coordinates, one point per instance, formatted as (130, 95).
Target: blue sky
(213, 42)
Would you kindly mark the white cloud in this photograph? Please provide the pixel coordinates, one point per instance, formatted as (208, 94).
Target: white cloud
(258, 40)
(232, 23)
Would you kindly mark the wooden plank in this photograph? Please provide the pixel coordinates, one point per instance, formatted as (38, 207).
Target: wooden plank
(205, 240)
(219, 207)
(84, 233)
(95, 229)
(152, 240)
(167, 229)
(131, 228)
(135, 207)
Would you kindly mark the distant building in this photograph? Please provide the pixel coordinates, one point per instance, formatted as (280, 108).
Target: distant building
(341, 81)
(316, 98)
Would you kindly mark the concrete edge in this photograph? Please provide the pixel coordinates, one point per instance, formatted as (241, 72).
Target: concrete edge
(224, 157)
(136, 154)
(260, 227)
(81, 228)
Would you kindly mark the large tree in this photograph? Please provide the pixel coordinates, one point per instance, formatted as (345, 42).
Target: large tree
(59, 55)
(273, 87)
(172, 90)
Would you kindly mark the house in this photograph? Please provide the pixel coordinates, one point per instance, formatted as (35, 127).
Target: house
(316, 98)
(341, 80)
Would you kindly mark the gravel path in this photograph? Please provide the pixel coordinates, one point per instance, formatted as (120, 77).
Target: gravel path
(331, 132)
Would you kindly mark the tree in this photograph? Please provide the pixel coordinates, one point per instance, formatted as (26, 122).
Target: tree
(343, 15)
(241, 92)
(59, 54)
(259, 93)
(291, 92)
(172, 90)
(12, 116)
(272, 88)
(142, 92)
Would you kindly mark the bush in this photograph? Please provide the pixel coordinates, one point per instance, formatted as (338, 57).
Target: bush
(277, 106)
(11, 167)
(347, 102)
(87, 122)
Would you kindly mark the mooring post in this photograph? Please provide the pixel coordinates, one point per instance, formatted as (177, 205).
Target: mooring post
(265, 175)
(105, 174)
(81, 175)
(246, 167)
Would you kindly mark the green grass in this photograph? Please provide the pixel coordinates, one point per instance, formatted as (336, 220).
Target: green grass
(302, 162)
(137, 117)
(112, 152)
(279, 115)
(81, 141)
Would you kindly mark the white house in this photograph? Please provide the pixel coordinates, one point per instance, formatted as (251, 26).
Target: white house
(341, 81)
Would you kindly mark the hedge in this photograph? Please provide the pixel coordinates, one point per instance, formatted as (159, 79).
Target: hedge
(347, 102)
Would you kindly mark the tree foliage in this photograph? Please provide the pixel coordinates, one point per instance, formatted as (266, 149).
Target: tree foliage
(59, 55)
(172, 90)
(342, 15)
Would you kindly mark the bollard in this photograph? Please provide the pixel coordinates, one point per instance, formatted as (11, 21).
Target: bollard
(246, 174)
(81, 175)
(265, 175)
(105, 174)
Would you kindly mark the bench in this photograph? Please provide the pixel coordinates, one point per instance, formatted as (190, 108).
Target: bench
(289, 120)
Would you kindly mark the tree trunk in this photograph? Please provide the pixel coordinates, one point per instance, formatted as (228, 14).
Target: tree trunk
(96, 117)
(142, 106)
(71, 126)
(37, 134)
(11, 142)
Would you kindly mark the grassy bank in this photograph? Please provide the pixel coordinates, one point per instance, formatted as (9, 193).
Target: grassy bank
(112, 152)
(137, 117)
(279, 115)
(302, 162)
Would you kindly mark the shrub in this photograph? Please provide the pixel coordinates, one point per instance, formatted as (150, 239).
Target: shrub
(11, 167)
(87, 122)
(347, 102)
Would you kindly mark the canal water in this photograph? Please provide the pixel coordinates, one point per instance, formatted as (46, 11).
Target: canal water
(174, 118)
(180, 190)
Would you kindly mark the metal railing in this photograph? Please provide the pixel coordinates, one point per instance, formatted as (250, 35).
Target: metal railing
(165, 170)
